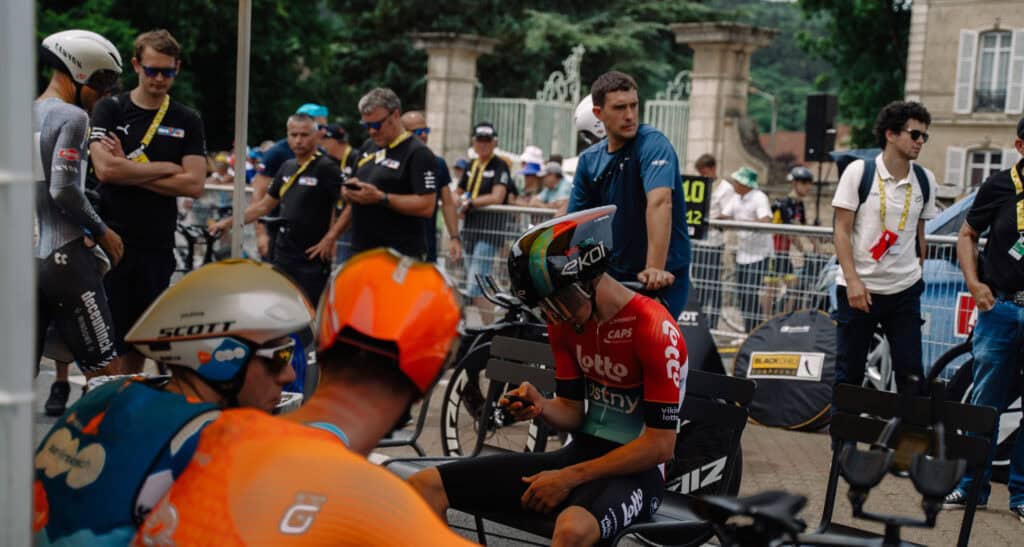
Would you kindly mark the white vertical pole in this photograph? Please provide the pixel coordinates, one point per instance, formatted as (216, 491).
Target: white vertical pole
(241, 124)
(17, 270)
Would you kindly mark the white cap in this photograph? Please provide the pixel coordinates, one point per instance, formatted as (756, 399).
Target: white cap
(532, 154)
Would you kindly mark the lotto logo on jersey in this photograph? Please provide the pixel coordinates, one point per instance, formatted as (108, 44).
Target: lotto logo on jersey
(673, 368)
(600, 365)
(69, 154)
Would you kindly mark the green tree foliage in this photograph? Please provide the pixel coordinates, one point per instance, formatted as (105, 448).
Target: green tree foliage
(866, 43)
(781, 69)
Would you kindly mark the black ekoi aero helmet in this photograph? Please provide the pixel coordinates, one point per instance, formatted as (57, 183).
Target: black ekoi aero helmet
(561, 252)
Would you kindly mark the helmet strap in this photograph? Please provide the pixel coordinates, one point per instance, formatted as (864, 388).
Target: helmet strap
(78, 93)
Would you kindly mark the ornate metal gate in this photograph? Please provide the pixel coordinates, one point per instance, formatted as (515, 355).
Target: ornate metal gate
(669, 112)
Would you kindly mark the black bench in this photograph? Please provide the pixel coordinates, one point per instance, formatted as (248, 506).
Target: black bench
(861, 414)
(710, 398)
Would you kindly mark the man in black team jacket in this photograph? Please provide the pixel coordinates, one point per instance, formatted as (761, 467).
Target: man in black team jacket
(307, 188)
(395, 182)
(146, 149)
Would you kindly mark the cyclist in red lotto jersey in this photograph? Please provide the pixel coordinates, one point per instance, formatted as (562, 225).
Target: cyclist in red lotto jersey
(619, 351)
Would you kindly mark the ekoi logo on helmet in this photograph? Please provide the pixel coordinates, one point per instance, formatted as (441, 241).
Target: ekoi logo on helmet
(590, 257)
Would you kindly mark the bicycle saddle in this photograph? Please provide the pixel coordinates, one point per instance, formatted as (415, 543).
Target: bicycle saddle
(773, 507)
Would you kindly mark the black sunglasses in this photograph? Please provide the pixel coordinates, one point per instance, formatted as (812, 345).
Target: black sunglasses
(152, 71)
(376, 125)
(916, 134)
(421, 131)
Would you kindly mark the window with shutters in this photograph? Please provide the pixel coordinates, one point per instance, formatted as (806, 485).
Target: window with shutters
(991, 81)
(981, 164)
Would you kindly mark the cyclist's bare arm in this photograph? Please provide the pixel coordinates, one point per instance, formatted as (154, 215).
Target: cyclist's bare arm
(653, 447)
(188, 183)
(252, 212)
(111, 169)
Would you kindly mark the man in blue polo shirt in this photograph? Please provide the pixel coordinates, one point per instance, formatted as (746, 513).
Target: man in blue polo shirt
(636, 168)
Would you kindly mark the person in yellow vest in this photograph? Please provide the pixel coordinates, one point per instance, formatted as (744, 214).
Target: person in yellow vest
(146, 150)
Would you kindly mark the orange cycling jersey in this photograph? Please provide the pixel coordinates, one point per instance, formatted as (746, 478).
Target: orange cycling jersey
(260, 480)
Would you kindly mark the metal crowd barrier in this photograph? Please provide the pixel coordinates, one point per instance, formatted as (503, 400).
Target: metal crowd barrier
(763, 269)
(758, 271)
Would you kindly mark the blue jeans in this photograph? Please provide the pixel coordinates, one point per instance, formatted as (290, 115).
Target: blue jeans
(997, 340)
(481, 261)
(900, 317)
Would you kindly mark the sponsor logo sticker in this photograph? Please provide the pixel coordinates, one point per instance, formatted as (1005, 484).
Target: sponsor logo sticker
(166, 131)
(786, 365)
(69, 154)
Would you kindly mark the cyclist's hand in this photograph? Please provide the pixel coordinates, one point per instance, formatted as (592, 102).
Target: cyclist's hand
(113, 145)
(983, 297)
(655, 278)
(530, 405)
(858, 295)
(547, 490)
(111, 244)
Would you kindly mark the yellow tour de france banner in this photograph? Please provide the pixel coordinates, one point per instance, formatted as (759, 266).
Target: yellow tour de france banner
(697, 192)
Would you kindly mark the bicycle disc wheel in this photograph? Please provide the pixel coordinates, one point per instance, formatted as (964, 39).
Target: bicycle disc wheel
(463, 403)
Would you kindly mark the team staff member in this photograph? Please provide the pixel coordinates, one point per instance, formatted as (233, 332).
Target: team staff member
(608, 476)
(651, 239)
(335, 144)
(107, 462)
(307, 188)
(415, 122)
(998, 290)
(272, 160)
(146, 149)
(880, 246)
(388, 326)
(395, 184)
(486, 182)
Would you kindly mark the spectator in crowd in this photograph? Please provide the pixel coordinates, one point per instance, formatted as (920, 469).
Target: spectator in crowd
(307, 189)
(555, 190)
(532, 160)
(416, 122)
(335, 144)
(753, 249)
(395, 183)
(880, 246)
(273, 157)
(708, 254)
(485, 183)
(789, 210)
(651, 241)
(459, 169)
(147, 149)
(998, 291)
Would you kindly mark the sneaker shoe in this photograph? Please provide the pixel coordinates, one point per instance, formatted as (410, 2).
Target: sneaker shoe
(1018, 512)
(958, 500)
(58, 400)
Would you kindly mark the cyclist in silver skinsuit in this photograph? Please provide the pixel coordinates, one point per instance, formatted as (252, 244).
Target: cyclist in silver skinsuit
(70, 281)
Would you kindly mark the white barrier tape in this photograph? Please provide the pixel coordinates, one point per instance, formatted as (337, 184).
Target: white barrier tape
(13, 177)
(8, 398)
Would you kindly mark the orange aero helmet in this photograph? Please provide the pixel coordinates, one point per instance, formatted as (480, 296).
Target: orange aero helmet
(391, 304)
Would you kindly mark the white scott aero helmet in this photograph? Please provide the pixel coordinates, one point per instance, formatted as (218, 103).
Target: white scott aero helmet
(589, 127)
(87, 57)
(217, 317)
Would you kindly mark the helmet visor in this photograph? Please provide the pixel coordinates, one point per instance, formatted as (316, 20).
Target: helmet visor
(562, 305)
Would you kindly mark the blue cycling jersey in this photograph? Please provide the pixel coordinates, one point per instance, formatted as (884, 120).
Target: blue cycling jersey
(648, 162)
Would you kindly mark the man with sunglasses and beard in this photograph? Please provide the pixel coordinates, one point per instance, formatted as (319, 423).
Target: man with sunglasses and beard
(146, 149)
(620, 371)
(395, 183)
(881, 206)
(227, 333)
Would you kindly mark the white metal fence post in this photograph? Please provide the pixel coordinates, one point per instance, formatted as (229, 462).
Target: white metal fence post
(241, 124)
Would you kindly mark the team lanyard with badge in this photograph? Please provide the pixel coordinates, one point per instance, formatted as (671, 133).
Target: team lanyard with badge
(380, 156)
(1017, 249)
(295, 176)
(139, 154)
(888, 239)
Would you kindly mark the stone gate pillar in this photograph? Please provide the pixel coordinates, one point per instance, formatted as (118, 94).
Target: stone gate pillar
(718, 98)
(451, 83)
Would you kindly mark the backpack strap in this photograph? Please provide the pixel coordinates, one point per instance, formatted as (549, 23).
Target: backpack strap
(922, 182)
(866, 179)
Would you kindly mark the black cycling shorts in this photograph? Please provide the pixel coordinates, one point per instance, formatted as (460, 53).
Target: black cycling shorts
(70, 295)
(495, 484)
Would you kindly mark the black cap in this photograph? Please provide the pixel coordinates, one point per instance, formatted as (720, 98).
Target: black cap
(1020, 129)
(335, 131)
(484, 130)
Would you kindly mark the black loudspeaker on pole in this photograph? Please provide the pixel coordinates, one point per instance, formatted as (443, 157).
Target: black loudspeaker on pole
(820, 132)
